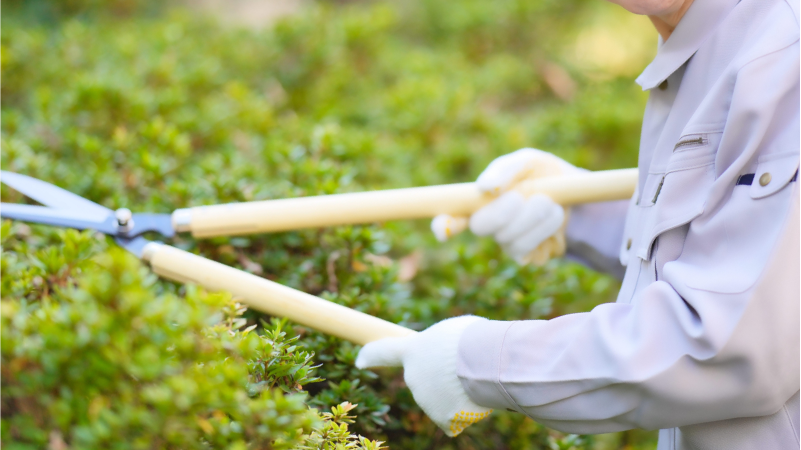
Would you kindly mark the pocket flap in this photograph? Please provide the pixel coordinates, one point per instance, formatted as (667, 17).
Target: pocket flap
(773, 173)
(680, 195)
(682, 199)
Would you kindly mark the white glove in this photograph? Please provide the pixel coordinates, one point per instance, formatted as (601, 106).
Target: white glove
(429, 368)
(530, 230)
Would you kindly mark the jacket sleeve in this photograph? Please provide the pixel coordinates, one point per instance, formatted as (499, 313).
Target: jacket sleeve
(715, 338)
(594, 235)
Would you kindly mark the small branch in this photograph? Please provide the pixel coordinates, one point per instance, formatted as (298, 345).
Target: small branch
(331, 267)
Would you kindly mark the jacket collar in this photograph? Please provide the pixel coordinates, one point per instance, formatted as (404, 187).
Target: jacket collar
(699, 22)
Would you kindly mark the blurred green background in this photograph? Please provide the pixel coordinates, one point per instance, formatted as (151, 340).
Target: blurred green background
(156, 106)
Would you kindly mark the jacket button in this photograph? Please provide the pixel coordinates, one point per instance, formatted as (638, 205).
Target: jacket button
(663, 85)
(628, 244)
(764, 179)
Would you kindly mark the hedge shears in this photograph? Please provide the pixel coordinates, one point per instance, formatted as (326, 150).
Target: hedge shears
(65, 209)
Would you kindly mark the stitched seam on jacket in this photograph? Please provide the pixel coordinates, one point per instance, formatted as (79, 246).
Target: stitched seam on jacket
(780, 49)
(695, 163)
(498, 377)
(790, 421)
(702, 128)
(785, 215)
(636, 281)
(773, 156)
(671, 222)
(688, 159)
(691, 165)
(667, 225)
(787, 2)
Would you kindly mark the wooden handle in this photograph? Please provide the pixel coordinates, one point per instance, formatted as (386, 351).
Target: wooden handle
(269, 297)
(585, 187)
(378, 206)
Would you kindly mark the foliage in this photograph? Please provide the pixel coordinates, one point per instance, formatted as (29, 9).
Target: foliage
(335, 436)
(95, 356)
(160, 110)
(87, 358)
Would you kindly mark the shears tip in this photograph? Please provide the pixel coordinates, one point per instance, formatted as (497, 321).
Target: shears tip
(63, 208)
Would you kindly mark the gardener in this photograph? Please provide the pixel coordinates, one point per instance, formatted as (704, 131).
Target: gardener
(703, 341)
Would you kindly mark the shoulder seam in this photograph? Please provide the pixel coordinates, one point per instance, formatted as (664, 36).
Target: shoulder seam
(756, 58)
(793, 10)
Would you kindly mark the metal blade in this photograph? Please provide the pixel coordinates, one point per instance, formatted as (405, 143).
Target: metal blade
(53, 196)
(69, 210)
(160, 223)
(58, 217)
(135, 245)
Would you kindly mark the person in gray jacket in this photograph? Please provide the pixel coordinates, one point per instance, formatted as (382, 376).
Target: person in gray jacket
(703, 341)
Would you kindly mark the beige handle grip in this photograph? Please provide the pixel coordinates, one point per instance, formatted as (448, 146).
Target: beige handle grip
(269, 297)
(378, 206)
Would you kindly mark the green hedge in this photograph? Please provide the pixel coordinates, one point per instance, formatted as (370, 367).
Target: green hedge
(133, 105)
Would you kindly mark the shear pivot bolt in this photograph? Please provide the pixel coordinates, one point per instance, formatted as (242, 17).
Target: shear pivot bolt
(124, 219)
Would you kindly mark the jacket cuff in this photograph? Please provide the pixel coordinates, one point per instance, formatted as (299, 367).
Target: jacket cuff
(478, 365)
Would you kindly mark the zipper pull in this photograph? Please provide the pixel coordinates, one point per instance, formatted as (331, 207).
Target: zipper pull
(694, 141)
(659, 189)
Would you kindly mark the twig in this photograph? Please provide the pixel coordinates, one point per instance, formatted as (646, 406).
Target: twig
(330, 265)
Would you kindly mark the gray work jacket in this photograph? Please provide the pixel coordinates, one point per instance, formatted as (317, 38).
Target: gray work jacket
(703, 341)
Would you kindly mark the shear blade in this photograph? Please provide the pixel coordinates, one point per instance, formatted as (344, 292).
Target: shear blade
(58, 217)
(65, 209)
(53, 196)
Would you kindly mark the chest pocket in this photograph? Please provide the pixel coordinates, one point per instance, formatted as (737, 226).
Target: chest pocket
(674, 197)
(741, 238)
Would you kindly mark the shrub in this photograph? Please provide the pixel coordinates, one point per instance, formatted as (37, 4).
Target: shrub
(156, 109)
(95, 356)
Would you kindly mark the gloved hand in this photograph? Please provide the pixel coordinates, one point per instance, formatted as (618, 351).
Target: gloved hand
(531, 230)
(429, 368)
